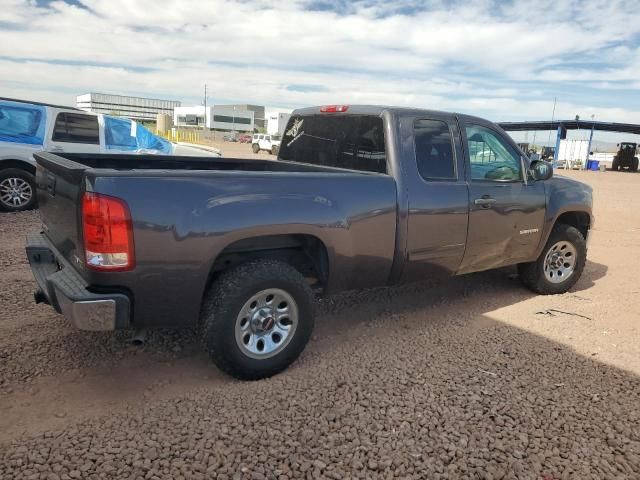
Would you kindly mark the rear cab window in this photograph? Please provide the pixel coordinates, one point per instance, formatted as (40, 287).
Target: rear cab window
(76, 128)
(354, 142)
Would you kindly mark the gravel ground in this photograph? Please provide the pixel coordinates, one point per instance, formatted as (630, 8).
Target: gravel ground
(474, 378)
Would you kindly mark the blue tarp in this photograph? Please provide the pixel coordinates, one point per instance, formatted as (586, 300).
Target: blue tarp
(123, 134)
(22, 122)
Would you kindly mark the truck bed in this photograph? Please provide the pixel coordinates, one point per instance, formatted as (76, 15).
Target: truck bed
(189, 211)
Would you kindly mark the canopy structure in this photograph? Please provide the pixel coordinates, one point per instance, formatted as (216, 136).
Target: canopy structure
(571, 125)
(561, 126)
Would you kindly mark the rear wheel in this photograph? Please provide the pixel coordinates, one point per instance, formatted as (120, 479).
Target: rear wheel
(560, 264)
(257, 318)
(17, 190)
(255, 147)
(634, 164)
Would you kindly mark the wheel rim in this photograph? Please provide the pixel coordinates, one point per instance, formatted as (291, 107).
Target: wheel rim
(266, 323)
(15, 192)
(560, 262)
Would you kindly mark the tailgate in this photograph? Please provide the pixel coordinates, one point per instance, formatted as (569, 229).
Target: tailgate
(59, 184)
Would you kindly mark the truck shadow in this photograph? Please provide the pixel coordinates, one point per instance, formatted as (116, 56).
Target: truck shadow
(474, 293)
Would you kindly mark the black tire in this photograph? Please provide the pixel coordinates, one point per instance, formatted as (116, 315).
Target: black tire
(255, 147)
(275, 150)
(226, 298)
(532, 274)
(21, 176)
(634, 165)
(615, 165)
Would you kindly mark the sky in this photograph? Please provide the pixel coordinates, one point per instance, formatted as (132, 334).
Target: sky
(502, 60)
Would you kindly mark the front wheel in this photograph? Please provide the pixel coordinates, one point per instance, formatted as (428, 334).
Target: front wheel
(255, 147)
(634, 164)
(257, 319)
(17, 190)
(560, 264)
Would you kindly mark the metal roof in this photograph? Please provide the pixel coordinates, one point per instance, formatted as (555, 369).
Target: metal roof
(17, 100)
(571, 125)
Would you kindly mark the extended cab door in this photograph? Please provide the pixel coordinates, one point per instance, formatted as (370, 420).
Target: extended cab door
(506, 213)
(438, 197)
(74, 133)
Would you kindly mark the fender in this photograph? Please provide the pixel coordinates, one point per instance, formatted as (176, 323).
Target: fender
(565, 196)
(12, 162)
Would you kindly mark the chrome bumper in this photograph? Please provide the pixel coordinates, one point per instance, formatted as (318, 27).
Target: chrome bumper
(64, 289)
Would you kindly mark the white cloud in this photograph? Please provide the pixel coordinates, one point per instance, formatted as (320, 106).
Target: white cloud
(501, 61)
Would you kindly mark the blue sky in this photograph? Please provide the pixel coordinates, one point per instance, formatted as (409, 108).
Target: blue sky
(501, 60)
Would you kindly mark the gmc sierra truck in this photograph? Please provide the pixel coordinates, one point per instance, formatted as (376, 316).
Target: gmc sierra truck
(360, 196)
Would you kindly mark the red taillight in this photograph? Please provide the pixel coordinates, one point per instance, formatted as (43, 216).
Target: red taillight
(108, 233)
(334, 108)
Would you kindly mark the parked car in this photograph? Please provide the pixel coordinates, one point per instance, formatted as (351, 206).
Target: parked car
(246, 138)
(359, 197)
(269, 143)
(30, 127)
(230, 137)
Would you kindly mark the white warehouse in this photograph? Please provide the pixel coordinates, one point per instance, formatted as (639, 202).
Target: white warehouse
(218, 117)
(135, 108)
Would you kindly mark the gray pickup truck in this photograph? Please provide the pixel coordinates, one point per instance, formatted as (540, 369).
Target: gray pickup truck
(360, 196)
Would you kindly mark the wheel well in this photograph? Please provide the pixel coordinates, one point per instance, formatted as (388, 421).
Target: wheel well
(579, 220)
(305, 253)
(10, 163)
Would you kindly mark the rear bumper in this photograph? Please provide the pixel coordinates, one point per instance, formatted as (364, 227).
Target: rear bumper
(66, 291)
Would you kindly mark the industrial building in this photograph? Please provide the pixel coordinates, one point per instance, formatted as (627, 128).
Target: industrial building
(215, 117)
(135, 108)
(259, 117)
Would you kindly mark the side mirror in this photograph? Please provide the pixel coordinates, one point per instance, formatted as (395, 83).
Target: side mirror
(541, 170)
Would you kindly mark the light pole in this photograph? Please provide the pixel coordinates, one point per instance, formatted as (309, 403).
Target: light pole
(204, 126)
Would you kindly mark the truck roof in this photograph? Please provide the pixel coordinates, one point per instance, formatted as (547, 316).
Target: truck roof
(379, 109)
(18, 100)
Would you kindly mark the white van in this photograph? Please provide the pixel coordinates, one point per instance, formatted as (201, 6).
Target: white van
(30, 127)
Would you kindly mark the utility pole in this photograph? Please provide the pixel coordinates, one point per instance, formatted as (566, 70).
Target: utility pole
(205, 107)
(553, 114)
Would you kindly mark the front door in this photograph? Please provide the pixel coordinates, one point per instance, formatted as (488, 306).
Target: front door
(506, 213)
(437, 194)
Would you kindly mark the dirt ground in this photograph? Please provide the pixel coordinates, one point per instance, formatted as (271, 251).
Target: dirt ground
(474, 378)
(238, 150)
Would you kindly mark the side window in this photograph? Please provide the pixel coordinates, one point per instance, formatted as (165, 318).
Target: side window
(267, 138)
(76, 128)
(434, 151)
(491, 157)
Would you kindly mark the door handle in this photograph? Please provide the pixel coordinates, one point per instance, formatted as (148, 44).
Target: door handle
(56, 149)
(485, 201)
